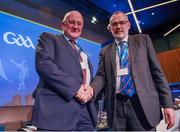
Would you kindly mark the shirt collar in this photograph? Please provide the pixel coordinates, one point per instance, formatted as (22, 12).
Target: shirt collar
(68, 38)
(125, 39)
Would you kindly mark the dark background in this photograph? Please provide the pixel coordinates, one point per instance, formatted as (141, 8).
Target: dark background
(155, 21)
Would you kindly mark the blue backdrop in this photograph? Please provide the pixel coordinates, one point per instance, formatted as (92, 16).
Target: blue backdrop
(18, 39)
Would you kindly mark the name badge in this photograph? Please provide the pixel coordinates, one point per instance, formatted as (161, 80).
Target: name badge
(123, 71)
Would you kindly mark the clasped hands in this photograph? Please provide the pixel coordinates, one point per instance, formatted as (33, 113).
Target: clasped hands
(85, 93)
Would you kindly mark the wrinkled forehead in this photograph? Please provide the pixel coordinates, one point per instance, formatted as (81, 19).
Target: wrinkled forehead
(118, 17)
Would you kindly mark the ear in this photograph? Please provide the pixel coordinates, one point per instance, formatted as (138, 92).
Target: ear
(62, 24)
(129, 25)
(109, 28)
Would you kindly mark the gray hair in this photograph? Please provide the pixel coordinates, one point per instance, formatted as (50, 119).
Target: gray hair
(68, 14)
(115, 13)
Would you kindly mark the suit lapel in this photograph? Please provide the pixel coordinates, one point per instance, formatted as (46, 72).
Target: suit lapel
(132, 52)
(72, 52)
(112, 55)
(132, 48)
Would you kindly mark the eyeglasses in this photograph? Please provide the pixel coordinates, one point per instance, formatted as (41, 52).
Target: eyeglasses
(115, 24)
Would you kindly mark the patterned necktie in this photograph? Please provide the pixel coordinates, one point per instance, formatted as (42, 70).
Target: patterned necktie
(127, 84)
(78, 50)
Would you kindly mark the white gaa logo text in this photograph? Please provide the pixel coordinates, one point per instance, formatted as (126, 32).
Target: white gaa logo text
(12, 38)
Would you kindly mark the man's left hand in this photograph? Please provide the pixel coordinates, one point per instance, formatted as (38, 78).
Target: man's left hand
(169, 115)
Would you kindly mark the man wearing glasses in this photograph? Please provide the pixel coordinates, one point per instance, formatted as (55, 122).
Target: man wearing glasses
(134, 83)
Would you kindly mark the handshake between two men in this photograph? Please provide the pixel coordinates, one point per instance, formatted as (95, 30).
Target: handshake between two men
(85, 93)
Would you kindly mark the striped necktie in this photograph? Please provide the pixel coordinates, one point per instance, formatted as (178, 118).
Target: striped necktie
(127, 84)
(78, 50)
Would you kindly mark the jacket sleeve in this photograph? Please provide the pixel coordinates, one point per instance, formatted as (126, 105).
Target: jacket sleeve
(158, 76)
(58, 80)
(99, 80)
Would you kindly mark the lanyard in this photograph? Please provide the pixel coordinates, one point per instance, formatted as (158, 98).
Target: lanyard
(121, 56)
(118, 51)
(77, 46)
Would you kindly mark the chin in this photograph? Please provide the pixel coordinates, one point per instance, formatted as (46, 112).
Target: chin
(75, 36)
(119, 37)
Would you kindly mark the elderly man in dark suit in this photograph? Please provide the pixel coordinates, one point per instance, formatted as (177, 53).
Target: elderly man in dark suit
(65, 72)
(134, 83)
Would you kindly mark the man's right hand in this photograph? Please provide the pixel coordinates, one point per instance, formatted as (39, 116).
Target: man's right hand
(84, 94)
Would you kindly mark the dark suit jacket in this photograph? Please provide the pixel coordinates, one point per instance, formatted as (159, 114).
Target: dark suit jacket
(151, 85)
(58, 67)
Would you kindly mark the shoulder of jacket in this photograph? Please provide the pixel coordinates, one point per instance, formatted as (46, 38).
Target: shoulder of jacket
(47, 35)
(104, 49)
(138, 36)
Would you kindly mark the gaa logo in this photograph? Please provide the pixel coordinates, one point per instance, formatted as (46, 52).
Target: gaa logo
(19, 40)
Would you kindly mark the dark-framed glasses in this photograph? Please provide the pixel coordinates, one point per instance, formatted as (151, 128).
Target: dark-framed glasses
(115, 24)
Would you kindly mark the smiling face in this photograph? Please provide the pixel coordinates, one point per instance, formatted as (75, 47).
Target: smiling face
(119, 25)
(72, 25)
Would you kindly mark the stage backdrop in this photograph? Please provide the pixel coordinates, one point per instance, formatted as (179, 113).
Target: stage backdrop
(18, 39)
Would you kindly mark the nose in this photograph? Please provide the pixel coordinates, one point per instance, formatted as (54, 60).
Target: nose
(75, 25)
(119, 25)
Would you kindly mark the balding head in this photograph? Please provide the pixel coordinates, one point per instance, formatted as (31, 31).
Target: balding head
(66, 16)
(117, 13)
